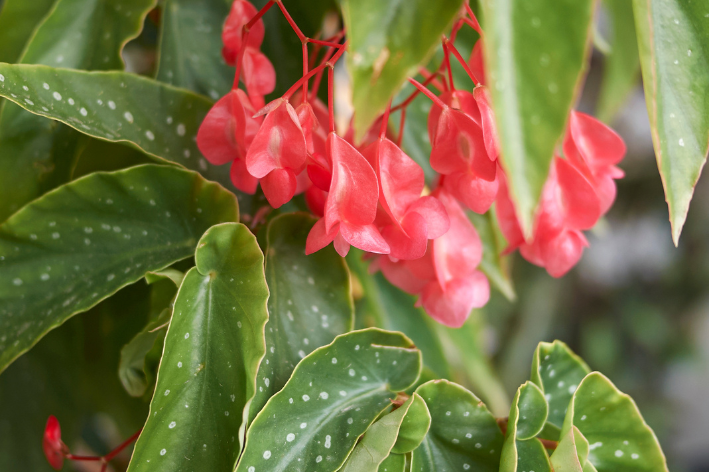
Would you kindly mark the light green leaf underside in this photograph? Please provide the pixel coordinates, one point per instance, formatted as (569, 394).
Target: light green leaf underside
(18, 20)
(557, 371)
(522, 451)
(310, 302)
(387, 41)
(191, 47)
(159, 119)
(37, 154)
(618, 437)
(463, 434)
(393, 463)
(80, 243)
(212, 350)
(332, 398)
(535, 54)
(673, 38)
(378, 441)
(622, 64)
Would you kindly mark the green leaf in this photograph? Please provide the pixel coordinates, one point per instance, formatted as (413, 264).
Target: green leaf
(135, 366)
(382, 304)
(622, 64)
(536, 53)
(387, 42)
(157, 118)
(80, 243)
(191, 47)
(557, 371)
(378, 441)
(212, 351)
(571, 455)
(522, 451)
(333, 396)
(310, 302)
(36, 154)
(463, 435)
(618, 437)
(493, 263)
(414, 427)
(18, 20)
(673, 38)
(393, 463)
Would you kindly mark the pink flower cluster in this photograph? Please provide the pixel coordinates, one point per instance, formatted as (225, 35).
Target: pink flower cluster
(372, 196)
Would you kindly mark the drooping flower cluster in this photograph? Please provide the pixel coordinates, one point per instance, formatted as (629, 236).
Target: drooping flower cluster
(372, 196)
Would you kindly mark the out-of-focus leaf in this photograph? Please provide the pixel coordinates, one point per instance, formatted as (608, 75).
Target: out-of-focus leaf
(522, 451)
(37, 154)
(18, 20)
(159, 119)
(387, 42)
(393, 463)
(493, 263)
(333, 396)
(673, 38)
(463, 435)
(622, 64)
(212, 351)
(377, 443)
(134, 368)
(557, 371)
(310, 302)
(191, 47)
(609, 421)
(381, 304)
(79, 244)
(535, 54)
(71, 374)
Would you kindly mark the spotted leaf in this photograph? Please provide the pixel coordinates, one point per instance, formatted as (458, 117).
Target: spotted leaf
(75, 246)
(212, 350)
(332, 398)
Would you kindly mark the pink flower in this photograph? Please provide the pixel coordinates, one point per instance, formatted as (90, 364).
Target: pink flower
(54, 448)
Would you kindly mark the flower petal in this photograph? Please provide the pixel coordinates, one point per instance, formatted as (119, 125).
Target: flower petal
(241, 178)
(433, 213)
(476, 193)
(279, 186)
(452, 305)
(492, 144)
(241, 13)
(364, 237)
(221, 136)
(318, 238)
(579, 201)
(408, 241)
(596, 142)
(52, 443)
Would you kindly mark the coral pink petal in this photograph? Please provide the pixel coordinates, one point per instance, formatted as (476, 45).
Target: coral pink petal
(423, 268)
(399, 274)
(452, 306)
(507, 217)
(318, 238)
(241, 178)
(606, 191)
(278, 144)
(492, 145)
(408, 241)
(308, 123)
(401, 180)
(221, 135)
(596, 142)
(466, 102)
(279, 186)
(364, 237)
(561, 253)
(433, 213)
(477, 63)
(320, 176)
(258, 73)
(52, 443)
(341, 246)
(460, 146)
(579, 201)
(315, 199)
(476, 193)
(354, 189)
(457, 253)
(240, 14)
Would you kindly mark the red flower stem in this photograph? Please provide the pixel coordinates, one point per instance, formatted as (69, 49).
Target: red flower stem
(305, 72)
(258, 15)
(413, 95)
(318, 77)
(447, 61)
(319, 68)
(324, 43)
(402, 121)
(426, 74)
(473, 20)
(428, 93)
(300, 34)
(458, 25)
(385, 121)
(330, 98)
(122, 446)
(462, 62)
(72, 457)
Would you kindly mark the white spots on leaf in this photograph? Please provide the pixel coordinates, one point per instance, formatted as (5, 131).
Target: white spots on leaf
(560, 384)
(2, 78)
(111, 104)
(110, 277)
(149, 134)
(128, 116)
(251, 469)
(327, 441)
(311, 281)
(343, 393)
(572, 389)
(324, 395)
(352, 373)
(25, 88)
(187, 335)
(71, 101)
(301, 353)
(169, 120)
(163, 452)
(478, 445)
(306, 398)
(28, 101)
(448, 413)
(619, 453)
(595, 445)
(226, 413)
(290, 437)
(57, 96)
(318, 459)
(468, 435)
(681, 142)
(583, 418)
(167, 392)
(552, 373)
(172, 425)
(46, 86)
(634, 456)
(303, 425)
(17, 282)
(364, 378)
(187, 153)
(83, 111)
(334, 360)
(44, 277)
(266, 381)
(56, 235)
(466, 466)
(181, 129)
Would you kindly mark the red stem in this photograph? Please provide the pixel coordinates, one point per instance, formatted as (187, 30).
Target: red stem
(458, 25)
(474, 23)
(413, 95)
(305, 72)
(324, 43)
(428, 93)
(402, 121)
(318, 77)
(300, 34)
(122, 446)
(329, 63)
(245, 38)
(72, 457)
(447, 60)
(463, 63)
(385, 121)
(427, 75)
(330, 98)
